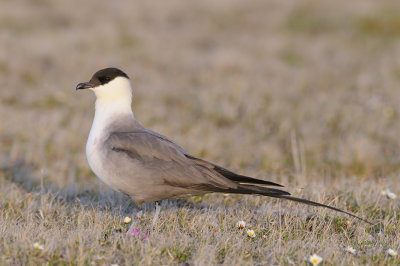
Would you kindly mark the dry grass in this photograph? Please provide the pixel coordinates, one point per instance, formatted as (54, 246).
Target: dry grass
(305, 93)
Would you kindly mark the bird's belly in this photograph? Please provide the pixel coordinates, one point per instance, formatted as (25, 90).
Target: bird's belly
(131, 176)
(98, 164)
(114, 173)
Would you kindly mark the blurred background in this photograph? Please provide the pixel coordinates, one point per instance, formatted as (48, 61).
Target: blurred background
(277, 88)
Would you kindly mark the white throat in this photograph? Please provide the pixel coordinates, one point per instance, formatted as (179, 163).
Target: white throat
(113, 101)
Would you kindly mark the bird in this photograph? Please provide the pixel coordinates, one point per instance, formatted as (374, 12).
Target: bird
(148, 166)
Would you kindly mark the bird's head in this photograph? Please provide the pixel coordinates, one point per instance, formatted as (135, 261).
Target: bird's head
(109, 85)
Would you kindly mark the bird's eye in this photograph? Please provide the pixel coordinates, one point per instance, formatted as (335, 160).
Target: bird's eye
(104, 79)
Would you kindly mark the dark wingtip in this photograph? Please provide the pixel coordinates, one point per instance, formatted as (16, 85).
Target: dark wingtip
(251, 180)
(244, 179)
(272, 183)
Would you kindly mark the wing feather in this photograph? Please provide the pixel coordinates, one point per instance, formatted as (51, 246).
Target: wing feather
(166, 160)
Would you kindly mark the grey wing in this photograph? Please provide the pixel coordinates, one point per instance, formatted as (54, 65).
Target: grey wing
(166, 161)
(242, 179)
(216, 168)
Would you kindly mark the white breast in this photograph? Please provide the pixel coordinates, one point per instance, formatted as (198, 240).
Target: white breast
(93, 154)
(105, 114)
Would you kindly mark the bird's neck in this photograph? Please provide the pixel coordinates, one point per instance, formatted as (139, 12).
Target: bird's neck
(108, 112)
(113, 107)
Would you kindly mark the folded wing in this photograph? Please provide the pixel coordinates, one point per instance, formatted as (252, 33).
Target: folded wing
(178, 168)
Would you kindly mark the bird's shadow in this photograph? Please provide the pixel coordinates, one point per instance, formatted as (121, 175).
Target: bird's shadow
(22, 174)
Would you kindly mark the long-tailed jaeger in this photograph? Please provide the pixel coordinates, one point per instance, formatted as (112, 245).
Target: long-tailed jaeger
(150, 167)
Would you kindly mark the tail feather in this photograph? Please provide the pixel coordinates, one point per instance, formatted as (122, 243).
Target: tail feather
(277, 193)
(251, 189)
(313, 203)
(250, 185)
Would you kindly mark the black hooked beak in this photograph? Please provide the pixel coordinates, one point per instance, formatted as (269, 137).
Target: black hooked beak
(84, 85)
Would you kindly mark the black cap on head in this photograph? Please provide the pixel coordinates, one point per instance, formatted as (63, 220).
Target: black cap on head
(102, 77)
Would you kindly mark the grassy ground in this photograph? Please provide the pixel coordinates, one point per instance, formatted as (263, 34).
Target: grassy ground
(305, 93)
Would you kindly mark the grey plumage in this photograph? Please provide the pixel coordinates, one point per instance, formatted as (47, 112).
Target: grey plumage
(150, 167)
(168, 170)
(173, 172)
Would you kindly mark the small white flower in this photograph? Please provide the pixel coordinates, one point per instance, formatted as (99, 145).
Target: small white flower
(388, 194)
(36, 245)
(391, 252)
(351, 250)
(289, 261)
(241, 224)
(315, 259)
(127, 220)
(251, 233)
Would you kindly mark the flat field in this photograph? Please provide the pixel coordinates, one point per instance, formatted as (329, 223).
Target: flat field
(304, 93)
